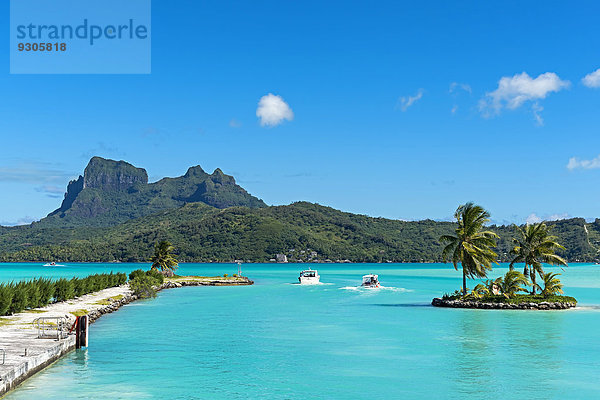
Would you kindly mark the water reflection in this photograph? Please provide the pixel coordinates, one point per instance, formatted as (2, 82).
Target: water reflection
(491, 344)
(475, 356)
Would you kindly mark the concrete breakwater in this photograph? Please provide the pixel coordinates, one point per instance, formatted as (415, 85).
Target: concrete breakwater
(23, 353)
(437, 302)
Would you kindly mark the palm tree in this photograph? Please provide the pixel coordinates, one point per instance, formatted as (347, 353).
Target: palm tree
(533, 247)
(552, 284)
(493, 285)
(163, 258)
(471, 246)
(479, 291)
(511, 284)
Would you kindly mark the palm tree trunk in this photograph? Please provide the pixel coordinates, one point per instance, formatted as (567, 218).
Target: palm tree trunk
(464, 282)
(533, 283)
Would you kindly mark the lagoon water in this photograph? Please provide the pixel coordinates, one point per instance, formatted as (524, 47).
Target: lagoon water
(278, 340)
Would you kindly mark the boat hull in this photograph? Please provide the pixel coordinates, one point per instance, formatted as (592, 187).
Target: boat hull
(305, 280)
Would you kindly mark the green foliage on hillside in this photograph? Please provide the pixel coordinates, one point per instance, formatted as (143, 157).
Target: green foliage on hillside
(203, 233)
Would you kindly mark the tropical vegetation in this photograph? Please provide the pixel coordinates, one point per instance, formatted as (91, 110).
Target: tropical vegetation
(112, 213)
(164, 259)
(18, 296)
(533, 246)
(512, 288)
(471, 245)
(144, 283)
(552, 285)
(207, 234)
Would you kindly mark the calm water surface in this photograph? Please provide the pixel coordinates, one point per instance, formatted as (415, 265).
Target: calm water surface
(278, 340)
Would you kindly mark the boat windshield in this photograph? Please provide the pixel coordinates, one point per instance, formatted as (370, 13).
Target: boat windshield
(308, 274)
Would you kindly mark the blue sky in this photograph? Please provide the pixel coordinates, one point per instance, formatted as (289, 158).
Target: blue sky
(390, 109)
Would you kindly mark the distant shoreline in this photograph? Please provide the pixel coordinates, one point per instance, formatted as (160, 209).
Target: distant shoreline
(262, 262)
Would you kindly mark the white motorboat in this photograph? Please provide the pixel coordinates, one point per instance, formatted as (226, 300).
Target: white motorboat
(53, 264)
(309, 277)
(370, 281)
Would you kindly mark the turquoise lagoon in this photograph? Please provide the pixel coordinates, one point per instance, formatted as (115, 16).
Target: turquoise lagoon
(278, 340)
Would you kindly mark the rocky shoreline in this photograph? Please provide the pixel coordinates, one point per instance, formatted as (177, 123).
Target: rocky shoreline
(129, 298)
(437, 302)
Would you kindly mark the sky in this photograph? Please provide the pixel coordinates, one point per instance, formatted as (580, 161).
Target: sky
(402, 110)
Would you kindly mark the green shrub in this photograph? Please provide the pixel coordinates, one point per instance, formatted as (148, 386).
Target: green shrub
(121, 278)
(16, 297)
(63, 290)
(6, 297)
(135, 274)
(20, 298)
(34, 294)
(143, 286)
(80, 286)
(46, 287)
(156, 275)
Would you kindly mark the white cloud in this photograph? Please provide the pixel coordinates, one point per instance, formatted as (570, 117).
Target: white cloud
(272, 110)
(34, 172)
(558, 217)
(537, 109)
(533, 218)
(454, 109)
(513, 92)
(20, 221)
(52, 191)
(407, 101)
(575, 163)
(455, 85)
(592, 80)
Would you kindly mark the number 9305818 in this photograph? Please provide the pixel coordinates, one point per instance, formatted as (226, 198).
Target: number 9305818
(42, 46)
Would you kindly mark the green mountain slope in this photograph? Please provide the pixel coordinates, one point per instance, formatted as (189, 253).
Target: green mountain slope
(302, 231)
(111, 192)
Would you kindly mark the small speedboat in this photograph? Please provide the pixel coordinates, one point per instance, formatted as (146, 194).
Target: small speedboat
(53, 264)
(370, 281)
(309, 277)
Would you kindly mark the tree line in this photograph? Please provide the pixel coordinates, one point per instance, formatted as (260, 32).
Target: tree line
(18, 296)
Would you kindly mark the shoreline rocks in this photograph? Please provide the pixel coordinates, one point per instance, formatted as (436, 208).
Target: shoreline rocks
(129, 298)
(241, 281)
(112, 307)
(545, 305)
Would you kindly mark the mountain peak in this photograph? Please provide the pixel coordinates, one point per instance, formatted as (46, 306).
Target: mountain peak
(106, 174)
(111, 192)
(195, 171)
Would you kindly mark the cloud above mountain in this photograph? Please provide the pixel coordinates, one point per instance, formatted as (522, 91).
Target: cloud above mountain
(533, 218)
(273, 110)
(33, 172)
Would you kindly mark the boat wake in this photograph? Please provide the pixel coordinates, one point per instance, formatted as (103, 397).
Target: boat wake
(372, 289)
